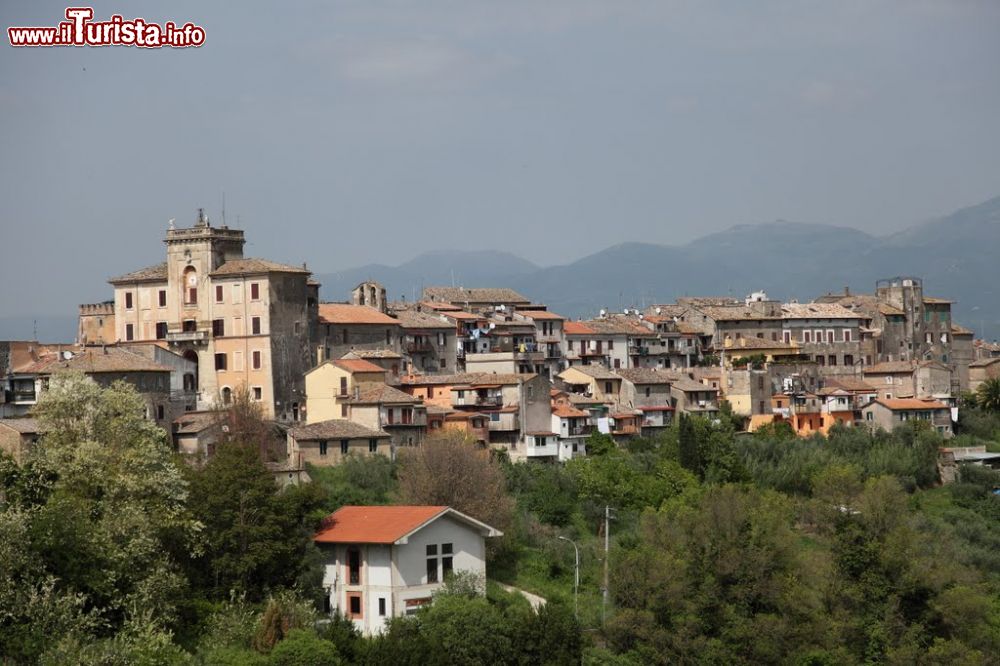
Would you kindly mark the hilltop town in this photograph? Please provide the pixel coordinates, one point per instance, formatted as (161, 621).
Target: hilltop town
(372, 375)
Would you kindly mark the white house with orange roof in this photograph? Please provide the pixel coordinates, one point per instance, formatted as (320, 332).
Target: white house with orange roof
(387, 561)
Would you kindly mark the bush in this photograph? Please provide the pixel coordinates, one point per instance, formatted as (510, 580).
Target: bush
(302, 647)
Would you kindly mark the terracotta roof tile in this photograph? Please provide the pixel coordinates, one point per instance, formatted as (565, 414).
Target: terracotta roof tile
(345, 313)
(255, 266)
(156, 273)
(567, 412)
(911, 403)
(382, 394)
(577, 328)
(96, 360)
(335, 429)
(414, 319)
(645, 376)
(458, 295)
(595, 371)
(817, 311)
(374, 524)
(357, 365)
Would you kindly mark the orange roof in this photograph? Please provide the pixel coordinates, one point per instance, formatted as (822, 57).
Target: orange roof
(358, 365)
(461, 314)
(577, 328)
(566, 412)
(343, 313)
(374, 524)
(388, 524)
(539, 314)
(912, 403)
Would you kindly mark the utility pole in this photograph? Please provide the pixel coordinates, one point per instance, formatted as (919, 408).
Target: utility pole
(576, 579)
(607, 543)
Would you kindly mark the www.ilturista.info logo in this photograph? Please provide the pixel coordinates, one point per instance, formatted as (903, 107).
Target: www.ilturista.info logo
(79, 30)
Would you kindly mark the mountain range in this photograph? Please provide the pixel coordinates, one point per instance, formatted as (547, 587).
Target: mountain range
(957, 256)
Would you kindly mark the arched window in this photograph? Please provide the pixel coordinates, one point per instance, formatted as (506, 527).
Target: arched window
(190, 286)
(227, 395)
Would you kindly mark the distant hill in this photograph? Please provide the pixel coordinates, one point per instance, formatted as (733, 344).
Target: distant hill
(958, 257)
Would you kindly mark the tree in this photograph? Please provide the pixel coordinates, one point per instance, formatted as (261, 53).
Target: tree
(988, 395)
(687, 444)
(256, 536)
(100, 516)
(302, 647)
(243, 421)
(448, 469)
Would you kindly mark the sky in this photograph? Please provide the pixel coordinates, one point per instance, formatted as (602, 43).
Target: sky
(348, 133)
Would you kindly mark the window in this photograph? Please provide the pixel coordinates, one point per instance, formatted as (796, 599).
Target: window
(255, 325)
(647, 391)
(569, 345)
(254, 291)
(344, 446)
(353, 566)
(161, 298)
(189, 326)
(343, 410)
(354, 605)
(607, 387)
(190, 286)
(343, 386)
(928, 338)
(847, 335)
(446, 560)
(220, 361)
(322, 448)
(820, 360)
(611, 345)
(343, 336)
(255, 360)
(848, 359)
(774, 336)
(444, 364)
(218, 328)
(831, 336)
(381, 606)
(218, 293)
(129, 332)
(372, 445)
(432, 564)
(128, 300)
(237, 293)
(786, 336)
(159, 412)
(806, 336)
(833, 360)
(258, 393)
(388, 337)
(161, 330)
(297, 327)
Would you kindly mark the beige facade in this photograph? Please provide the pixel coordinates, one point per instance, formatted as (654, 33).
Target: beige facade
(330, 386)
(246, 322)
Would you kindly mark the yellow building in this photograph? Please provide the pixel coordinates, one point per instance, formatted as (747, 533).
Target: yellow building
(331, 385)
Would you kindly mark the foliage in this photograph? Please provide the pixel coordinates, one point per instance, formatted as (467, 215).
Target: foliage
(255, 537)
(302, 647)
(357, 480)
(449, 470)
(988, 396)
(96, 521)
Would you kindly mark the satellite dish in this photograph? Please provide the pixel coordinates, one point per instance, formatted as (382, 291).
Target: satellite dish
(603, 312)
(640, 317)
(492, 325)
(626, 310)
(67, 355)
(659, 310)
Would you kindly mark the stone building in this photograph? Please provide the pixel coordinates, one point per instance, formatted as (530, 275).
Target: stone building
(344, 328)
(246, 323)
(97, 324)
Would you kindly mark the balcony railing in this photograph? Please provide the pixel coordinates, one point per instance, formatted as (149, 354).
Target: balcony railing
(625, 430)
(553, 352)
(419, 347)
(577, 431)
(187, 336)
(22, 396)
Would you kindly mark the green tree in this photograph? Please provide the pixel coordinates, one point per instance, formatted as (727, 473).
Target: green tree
(688, 446)
(302, 647)
(100, 514)
(257, 537)
(988, 395)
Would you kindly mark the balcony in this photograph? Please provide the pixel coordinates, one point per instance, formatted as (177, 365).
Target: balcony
(542, 451)
(588, 351)
(419, 347)
(579, 431)
(477, 401)
(638, 350)
(415, 422)
(553, 351)
(178, 337)
(22, 396)
(625, 430)
(506, 422)
(528, 355)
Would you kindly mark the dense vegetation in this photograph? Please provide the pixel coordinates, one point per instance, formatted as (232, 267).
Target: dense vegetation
(724, 548)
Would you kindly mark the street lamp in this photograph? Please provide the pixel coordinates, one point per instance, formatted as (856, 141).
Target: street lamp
(576, 579)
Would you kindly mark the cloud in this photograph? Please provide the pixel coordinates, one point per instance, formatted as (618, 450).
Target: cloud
(416, 63)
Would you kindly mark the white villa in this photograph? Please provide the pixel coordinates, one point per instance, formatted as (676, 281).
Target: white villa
(386, 561)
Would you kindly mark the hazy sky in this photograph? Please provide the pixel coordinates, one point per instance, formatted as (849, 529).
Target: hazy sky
(356, 132)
